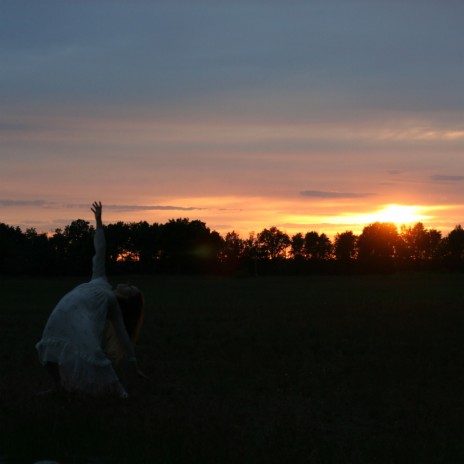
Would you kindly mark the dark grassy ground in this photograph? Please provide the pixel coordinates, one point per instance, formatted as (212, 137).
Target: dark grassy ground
(365, 369)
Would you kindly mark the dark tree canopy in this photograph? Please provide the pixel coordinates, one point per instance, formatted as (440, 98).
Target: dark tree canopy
(345, 246)
(418, 243)
(378, 240)
(297, 245)
(317, 246)
(273, 243)
(186, 246)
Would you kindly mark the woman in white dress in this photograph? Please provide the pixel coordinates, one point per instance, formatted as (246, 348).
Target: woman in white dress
(92, 328)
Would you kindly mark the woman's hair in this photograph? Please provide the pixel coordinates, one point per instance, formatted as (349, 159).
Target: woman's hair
(131, 304)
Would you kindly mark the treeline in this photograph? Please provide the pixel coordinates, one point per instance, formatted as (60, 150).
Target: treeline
(185, 246)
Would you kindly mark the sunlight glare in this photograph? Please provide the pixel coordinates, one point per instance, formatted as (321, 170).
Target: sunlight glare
(400, 214)
(396, 214)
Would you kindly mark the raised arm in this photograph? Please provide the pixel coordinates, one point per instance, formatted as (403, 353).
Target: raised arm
(97, 211)
(98, 262)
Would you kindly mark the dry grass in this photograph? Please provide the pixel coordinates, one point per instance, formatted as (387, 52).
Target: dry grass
(361, 369)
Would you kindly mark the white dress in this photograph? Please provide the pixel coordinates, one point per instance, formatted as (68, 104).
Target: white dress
(75, 332)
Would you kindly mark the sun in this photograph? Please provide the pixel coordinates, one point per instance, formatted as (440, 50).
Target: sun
(399, 214)
(394, 213)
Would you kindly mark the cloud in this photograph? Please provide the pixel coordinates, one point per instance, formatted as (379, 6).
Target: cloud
(329, 195)
(25, 203)
(126, 208)
(178, 53)
(6, 203)
(446, 178)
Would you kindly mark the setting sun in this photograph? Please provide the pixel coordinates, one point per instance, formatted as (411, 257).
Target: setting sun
(397, 214)
(400, 214)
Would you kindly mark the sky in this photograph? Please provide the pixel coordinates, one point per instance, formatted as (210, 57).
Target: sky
(307, 115)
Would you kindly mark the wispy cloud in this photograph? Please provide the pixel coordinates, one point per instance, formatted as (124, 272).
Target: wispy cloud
(126, 208)
(7, 203)
(331, 195)
(446, 178)
(394, 172)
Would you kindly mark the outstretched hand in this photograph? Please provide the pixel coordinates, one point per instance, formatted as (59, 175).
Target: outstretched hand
(97, 211)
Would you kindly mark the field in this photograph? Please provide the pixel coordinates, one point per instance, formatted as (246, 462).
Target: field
(360, 369)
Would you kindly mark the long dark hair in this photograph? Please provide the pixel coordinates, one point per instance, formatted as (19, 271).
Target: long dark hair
(132, 312)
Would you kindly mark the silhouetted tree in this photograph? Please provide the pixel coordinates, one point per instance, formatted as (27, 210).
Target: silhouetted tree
(232, 251)
(311, 240)
(251, 252)
(378, 240)
(37, 250)
(188, 245)
(454, 248)
(251, 246)
(317, 246)
(273, 243)
(377, 246)
(345, 246)
(419, 243)
(325, 248)
(233, 247)
(297, 245)
(182, 245)
(79, 247)
(12, 257)
(455, 242)
(118, 245)
(59, 248)
(435, 244)
(414, 241)
(144, 243)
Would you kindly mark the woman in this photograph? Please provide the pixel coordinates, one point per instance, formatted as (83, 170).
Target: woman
(91, 324)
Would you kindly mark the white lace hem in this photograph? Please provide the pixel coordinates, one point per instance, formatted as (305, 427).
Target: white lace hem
(79, 371)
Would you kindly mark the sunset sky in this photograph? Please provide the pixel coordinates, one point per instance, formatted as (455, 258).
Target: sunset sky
(245, 114)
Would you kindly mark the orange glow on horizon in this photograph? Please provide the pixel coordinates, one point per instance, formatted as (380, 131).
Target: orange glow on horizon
(356, 221)
(247, 214)
(396, 214)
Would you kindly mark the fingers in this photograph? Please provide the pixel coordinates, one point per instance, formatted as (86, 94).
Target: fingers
(96, 207)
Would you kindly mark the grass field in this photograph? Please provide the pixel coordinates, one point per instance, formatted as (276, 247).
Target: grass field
(362, 369)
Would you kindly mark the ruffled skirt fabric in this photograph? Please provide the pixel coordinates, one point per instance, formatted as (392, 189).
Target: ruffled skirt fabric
(80, 372)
